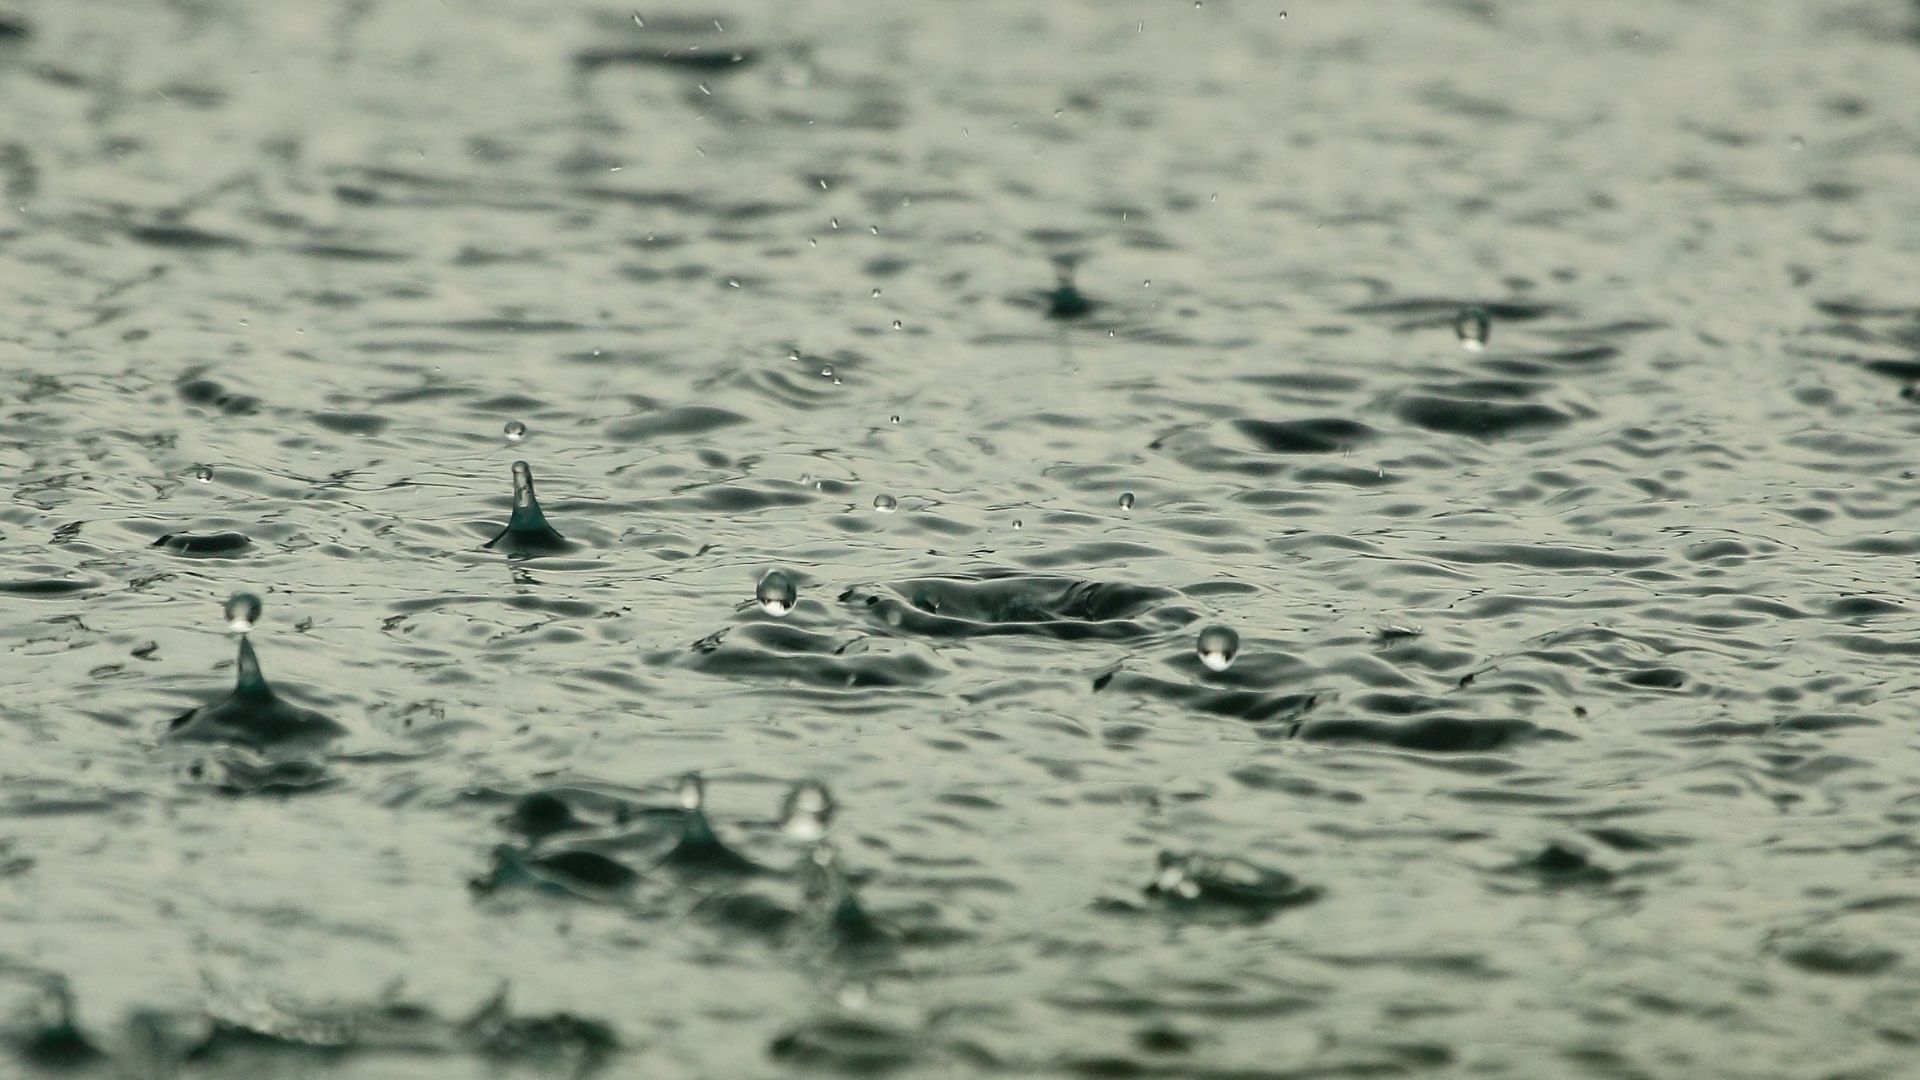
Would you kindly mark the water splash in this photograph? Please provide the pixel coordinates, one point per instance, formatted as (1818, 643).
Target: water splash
(527, 531)
(253, 715)
(1216, 647)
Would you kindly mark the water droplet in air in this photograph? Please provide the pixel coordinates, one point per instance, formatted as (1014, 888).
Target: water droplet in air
(1126, 501)
(242, 611)
(1474, 328)
(1217, 647)
(894, 419)
(876, 294)
(886, 504)
(1016, 523)
(692, 791)
(807, 812)
(515, 431)
(204, 474)
(834, 222)
(896, 324)
(777, 593)
(826, 371)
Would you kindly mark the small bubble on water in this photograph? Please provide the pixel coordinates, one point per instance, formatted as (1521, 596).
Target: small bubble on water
(1217, 647)
(515, 431)
(777, 593)
(1126, 500)
(692, 791)
(242, 612)
(807, 812)
(793, 354)
(1473, 328)
(886, 504)
(826, 371)
(204, 474)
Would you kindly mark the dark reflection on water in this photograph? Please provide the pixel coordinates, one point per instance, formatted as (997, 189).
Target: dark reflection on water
(1567, 733)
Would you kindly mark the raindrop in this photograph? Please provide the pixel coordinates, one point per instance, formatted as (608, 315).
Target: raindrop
(876, 294)
(1126, 500)
(242, 611)
(874, 229)
(204, 474)
(896, 324)
(886, 504)
(1016, 523)
(1147, 284)
(826, 371)
(777, 593)
(807, 812)
(638, 21)
(1217, 647)
(692, 791)
(515, 431)
(834, 222)
(894, 419)
(1473, 327)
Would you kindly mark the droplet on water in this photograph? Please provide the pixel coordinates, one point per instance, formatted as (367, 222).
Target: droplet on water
(1474, 328)
(1217, 647)
(515, 431)
(894, 419)
(807, 812)
(692, 792)
(886, 504)
(777, 593)
(1126, 501)
(876, 293)
(242, 611)
(204, 474)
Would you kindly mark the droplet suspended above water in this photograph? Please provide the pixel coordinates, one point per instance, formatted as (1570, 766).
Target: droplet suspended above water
(242, 612)
(1217, 647)
(204, 474)
(886, 504)
(515, 431)
(692, 792)
(1126, 500)
(1473, 327)
(777, 593)
(807, 811)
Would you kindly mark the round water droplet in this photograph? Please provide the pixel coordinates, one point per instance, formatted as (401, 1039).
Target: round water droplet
(826, 372)
(515, 431)
(894, 419)
(896, 324)
(692, 791)
(1016, 523)
(1126, 500)
(876, 294)
(1217, 647)
(807, 812)
(242, 611)
(777, 593)
(204, 474)
(886, 504)
(1474, 328)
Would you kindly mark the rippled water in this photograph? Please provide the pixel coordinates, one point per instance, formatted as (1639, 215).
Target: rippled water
(1569, 730)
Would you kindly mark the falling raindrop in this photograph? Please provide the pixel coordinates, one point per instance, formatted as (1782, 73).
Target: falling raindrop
(1126, 500)
(1474, 328)
(894, 419)
(515, 431)
(896, 324)
(1016, 523)
(886, 504)
(777, 593)
(1217, 647)
(242, 611)
(876, 293)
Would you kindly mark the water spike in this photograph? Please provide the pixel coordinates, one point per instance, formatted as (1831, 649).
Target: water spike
(527, 531)
(248, 680)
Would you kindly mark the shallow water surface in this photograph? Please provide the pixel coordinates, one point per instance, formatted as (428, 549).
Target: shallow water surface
(1522, 385)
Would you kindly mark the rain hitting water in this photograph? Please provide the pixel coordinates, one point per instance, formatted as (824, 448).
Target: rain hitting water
(1087, 538)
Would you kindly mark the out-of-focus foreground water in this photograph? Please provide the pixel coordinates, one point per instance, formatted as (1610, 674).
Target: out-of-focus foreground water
(1571, 731)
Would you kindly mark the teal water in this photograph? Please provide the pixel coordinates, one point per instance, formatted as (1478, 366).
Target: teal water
(1526, 388)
